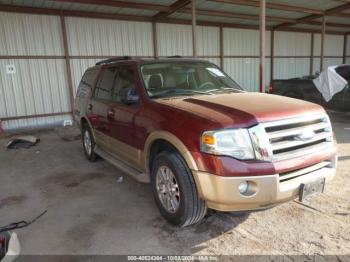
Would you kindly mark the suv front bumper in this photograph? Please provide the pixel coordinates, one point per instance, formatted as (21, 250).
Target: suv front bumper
(221, 193)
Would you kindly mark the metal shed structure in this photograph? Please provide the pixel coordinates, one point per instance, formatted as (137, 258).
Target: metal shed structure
(45, 45)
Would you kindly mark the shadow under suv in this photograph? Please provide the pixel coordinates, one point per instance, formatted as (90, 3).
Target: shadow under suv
(187, 128)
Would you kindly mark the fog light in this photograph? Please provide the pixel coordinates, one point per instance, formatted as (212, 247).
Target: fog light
(248, 188)
(243, 187)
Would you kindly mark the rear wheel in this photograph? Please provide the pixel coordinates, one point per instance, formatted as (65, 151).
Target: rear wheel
(175, 191)
(88, 143)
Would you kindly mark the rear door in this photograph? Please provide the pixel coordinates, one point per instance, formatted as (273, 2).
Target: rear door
(84, 92)
(99, 105)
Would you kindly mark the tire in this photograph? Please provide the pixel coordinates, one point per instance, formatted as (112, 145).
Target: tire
(88, 143)
(190, 209)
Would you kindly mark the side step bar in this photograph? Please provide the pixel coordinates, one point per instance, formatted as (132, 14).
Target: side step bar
(118, 163)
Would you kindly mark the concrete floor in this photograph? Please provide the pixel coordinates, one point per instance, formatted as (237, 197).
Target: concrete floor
(91, 212)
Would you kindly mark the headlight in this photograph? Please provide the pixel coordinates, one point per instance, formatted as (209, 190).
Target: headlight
(234, 142)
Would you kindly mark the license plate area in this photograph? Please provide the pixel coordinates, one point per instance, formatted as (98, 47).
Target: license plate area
(312, 188)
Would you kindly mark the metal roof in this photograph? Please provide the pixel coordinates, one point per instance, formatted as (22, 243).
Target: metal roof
(282, 14)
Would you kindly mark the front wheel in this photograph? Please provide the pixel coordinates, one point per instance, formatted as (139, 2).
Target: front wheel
(175, 191)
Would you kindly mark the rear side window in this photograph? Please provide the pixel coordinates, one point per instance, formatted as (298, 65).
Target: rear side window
(344, 71)
(105, 83)
(113, 81)
(86, 82)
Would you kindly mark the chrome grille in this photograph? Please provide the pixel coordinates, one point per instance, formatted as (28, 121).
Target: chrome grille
(298, 136)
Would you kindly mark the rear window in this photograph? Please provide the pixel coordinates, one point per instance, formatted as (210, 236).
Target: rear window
(344, 71)
(86, 82)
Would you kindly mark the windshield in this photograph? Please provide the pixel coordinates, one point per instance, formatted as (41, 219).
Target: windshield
(185, 78)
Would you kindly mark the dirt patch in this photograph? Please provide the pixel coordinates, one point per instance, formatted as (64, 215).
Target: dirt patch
(12, 200)
(215, 224)
(85, 228)
(68, 179)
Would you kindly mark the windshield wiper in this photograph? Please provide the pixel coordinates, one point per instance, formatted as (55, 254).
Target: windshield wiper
(224, 89)
(180, 92)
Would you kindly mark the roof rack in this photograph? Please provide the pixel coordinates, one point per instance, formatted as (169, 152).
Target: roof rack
(113, 59)
(175, 56)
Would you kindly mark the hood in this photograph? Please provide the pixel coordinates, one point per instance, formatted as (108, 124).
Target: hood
(243, 109)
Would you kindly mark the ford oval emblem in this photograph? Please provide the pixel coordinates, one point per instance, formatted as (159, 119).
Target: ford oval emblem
(306, 135)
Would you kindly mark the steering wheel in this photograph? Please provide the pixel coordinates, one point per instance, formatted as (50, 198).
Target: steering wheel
(206, 84)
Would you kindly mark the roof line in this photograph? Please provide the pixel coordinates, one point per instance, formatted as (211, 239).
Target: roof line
(179, 4)
(256, 17)
(122, 4)
(72, 13)
(331, 11)
(284, 7)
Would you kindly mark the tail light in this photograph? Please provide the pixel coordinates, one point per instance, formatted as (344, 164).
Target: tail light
(270, 89)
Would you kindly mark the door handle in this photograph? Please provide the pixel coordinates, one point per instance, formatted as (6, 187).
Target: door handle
(110, 114)
(90, 107)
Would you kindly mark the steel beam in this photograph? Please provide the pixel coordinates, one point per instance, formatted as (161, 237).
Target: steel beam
(269, 5)
(262, 45)
(344, 48)
(122, 4)
(68, 69)
(329, 12)
(322, 42)
(194, 28)
(221, 47)
(154, 39)
(272, 54)
(312, 53)
(179, 4)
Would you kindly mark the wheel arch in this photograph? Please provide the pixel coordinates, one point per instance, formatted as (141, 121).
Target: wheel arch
(84, 120)
(171, 140)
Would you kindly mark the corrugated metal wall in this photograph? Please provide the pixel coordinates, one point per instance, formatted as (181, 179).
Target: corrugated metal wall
(292, 51)
(241, 52)
(38, 86)
(208, 41)
(174, 40)
(96, 37)
(177, 40)
(333, 48)
(245, 71)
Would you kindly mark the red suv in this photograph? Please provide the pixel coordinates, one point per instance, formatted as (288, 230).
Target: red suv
(187, 128)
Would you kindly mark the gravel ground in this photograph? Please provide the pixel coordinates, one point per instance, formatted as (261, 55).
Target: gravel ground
(91, 211)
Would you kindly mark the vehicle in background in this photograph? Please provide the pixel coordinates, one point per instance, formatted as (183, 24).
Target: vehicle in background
(187, 128)
(305, 89)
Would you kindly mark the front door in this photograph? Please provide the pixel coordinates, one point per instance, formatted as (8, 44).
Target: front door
(121, 117)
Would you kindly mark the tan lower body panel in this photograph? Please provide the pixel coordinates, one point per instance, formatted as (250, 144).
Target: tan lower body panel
(129, 154)
(221, 193)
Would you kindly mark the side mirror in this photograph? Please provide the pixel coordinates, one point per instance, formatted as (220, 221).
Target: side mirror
(128, 95)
